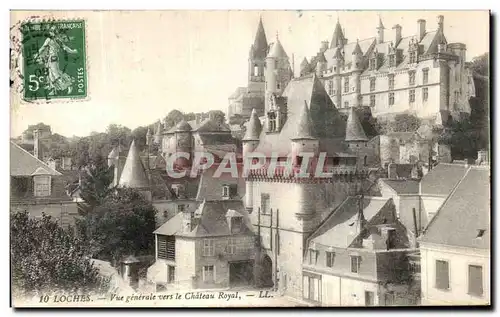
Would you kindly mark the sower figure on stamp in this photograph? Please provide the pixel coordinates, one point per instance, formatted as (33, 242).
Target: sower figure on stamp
(48, 55)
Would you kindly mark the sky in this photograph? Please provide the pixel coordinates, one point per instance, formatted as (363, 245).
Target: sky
(143, 64)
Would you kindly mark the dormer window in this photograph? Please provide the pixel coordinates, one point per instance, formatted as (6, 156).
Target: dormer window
(41, 185)
(229, 191)
(178, 190)
(392, 60)
(278, 85)
(373, 63)
(346, 84)
(271, 117)
(256, 70)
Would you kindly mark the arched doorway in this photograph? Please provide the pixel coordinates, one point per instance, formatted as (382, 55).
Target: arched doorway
(266, 272)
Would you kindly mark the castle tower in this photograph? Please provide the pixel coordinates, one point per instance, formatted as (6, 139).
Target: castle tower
(303, 140)
(338, 38)
(380, 31)
(250, 142)
(278, 72)
(356, 139)
(134, 175)
(304, 67)
(321, 66)
(157, 136)
(183, 143)
(357, 64)
(257, 60)
(338, 63)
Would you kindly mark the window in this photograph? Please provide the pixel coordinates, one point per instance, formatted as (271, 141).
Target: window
(166, 247)
(346, 104)
(425, 76)
(412, 96)
(171, 274)
(208, 247)
(165, 213)
(278, 85)
(311, 288)
(413, 57)
(369, 298)
(330, 87)
(391, 81)
(265, 202)
(411, 76)
(442, 275)
(391, 98)
(231, 246)
(181, 208)
(346, 84)
(476, 280)
(355, 263)
(330, 259)
(255, 70)
(225, 191)
(372, 84)
(272, 121)
(372, 64)
(392, 60)
(389, 298)
(457, 95)
(313, 256)
(42, 185)
(425, 94)
(365, 160)
(208, 273)
(372, 101)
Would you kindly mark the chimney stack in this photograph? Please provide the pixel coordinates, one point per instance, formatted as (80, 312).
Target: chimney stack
(421, 29)
(36, 144)
(324, 46)
(397, 34)
(440, 19)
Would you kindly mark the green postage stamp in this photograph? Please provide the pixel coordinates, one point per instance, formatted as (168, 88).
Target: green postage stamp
(54, 60)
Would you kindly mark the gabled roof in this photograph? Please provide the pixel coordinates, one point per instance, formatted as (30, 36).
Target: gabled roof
(22, 163)
(340, 228)
(464, 218)
(441, 179)
(254, 127)
(402, 186)
(354, 129)
(133, 174)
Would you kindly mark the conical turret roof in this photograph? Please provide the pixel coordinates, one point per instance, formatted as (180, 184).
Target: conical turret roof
(277, 50)
(183, 126)
(357, 49)
(354, 129)
(338, 36)
(254, 127)
(158, 128)
(259, 48)
(304, 63)
(321, 58)
(380, 25)
(133, 174)
(304, 125)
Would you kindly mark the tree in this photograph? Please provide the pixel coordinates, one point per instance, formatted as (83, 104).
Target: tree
(406, 123)
(39, 126)
(173, 117)
(122, 225)
(96, 182)
(217, 115)
(45, 258)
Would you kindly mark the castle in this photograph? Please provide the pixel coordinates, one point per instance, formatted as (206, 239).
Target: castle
(389, 73)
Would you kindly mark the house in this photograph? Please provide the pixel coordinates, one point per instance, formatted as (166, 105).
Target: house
(211, 247)
(359, 257)
(38, 188)
(455, 246)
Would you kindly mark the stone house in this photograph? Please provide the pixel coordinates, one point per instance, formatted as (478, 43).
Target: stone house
(455, 246)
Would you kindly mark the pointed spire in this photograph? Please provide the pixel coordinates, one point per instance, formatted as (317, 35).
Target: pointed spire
(338, 54)
(133, 174)
(357, 49)
(277, 50)
(259, 49)
(338, 38)
(254, 128)
(380, 25)
(354, 129)
(304, 124)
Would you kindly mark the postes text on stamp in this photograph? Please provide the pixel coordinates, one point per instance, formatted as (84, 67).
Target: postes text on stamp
(54, 63)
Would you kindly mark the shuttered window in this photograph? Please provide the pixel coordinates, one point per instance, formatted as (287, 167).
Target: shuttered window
(442, 275)
(166, 247)
(476, 280)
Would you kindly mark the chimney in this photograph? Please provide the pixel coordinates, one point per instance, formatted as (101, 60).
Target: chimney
(324, 46)
(440, 20)
(420, 29)
(397, 34)
(36, 144)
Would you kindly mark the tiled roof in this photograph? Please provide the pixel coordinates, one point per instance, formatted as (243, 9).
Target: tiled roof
(442, 179)
(354, 129)
(339, 229)
(325, 118)
(464, 218)
(348, 49)
(338, 36)
(212, 220)
(22, 163)
(402, 186)
(133, 174)
(303, 128)
(259, 47)
(254, 127)
(277, 50)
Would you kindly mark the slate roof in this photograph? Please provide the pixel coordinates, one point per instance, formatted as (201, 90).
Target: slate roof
(464, 213)
(303, 128)
(133, 174)
(442, 179)
(403, 186)
(254, 127)
(212, 220)
(22, 163)
(354, 129)
(277, 50)
(259, 48)
(183, 126)
(325, 118)
(339, 229)
(348, 49)
(210, 187)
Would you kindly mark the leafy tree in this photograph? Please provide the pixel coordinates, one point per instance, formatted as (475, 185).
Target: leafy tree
(46, 258)
(405, 123)
(122, 225)
(173, 117)
(96, 182)
(217, 115)
(39, 126)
